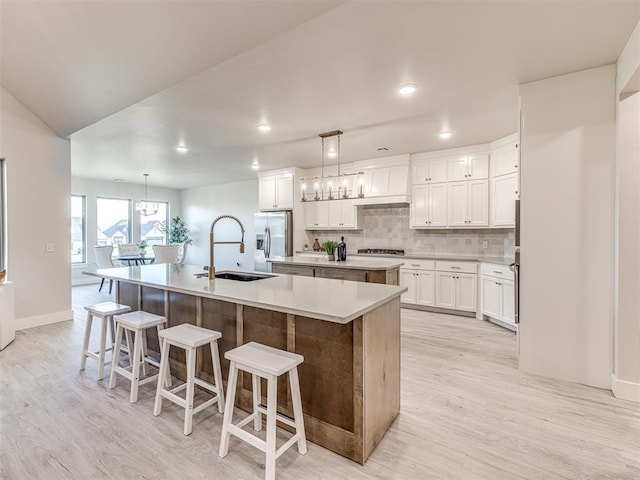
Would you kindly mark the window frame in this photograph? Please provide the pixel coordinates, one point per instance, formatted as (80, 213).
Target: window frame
(84, 229)
(129, 220)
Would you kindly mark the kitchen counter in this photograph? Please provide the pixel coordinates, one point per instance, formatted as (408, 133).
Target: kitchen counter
(352, 262)
(425, 256)
(348, 333)
(297, 295)
(357, 269)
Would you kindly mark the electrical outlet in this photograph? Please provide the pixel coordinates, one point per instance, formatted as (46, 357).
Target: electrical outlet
(485, 244)
(49, 247)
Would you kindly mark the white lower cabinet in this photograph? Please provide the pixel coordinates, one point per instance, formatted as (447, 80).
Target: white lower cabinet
(450, 285)
(498, 294)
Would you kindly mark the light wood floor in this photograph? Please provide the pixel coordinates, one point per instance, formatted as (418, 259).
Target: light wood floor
(467, 413)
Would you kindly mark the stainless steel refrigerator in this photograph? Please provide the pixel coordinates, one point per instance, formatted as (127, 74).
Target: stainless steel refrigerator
(274, 238)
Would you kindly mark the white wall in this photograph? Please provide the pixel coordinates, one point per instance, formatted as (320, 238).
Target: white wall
(625, 380)
(202, 205)
(100, 188)
(568, 150)
(38, 189)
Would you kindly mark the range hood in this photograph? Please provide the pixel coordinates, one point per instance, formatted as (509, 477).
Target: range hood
(386, 181)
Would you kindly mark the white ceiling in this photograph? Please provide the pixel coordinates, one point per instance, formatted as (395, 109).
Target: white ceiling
(128, 81)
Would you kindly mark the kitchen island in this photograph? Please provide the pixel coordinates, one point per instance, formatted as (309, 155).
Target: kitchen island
(348, 333)
(379, 270)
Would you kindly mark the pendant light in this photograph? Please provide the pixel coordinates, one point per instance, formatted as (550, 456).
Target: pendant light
(332, 187)
(145, 207)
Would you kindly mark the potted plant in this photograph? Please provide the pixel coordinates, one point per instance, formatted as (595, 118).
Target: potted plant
(330, 247)
(142, 245)
(177, 232)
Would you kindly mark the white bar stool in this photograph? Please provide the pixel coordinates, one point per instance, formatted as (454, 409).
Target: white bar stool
(189, 337)
(135, 322)
(269, 363)
(105, 311)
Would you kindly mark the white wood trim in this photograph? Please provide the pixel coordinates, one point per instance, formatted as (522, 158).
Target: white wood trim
(625, 390)
(39, 320)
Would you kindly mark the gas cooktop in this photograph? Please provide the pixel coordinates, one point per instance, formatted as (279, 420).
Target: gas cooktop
(381, 251)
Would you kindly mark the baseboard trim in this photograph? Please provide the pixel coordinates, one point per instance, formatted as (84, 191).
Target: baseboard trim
(625, 390)
(40, 320)
(423, 308)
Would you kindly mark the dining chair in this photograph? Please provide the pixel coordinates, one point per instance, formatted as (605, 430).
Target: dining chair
(165, 253)
(103, 260)
(182, 252)
(128, 249)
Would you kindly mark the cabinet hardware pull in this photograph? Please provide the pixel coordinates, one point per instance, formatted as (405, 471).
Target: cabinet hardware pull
(456, 268)
(415, 264)
(497, 271)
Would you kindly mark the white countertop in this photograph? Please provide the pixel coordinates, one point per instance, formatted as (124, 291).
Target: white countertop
(338, 301)
(422, 256)
(352, 263)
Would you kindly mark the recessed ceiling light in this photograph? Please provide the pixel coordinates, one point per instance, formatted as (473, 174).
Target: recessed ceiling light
(332, 154)
(407, 89)
(445, 134)
(264, 127)
(255, 165)
(182, 149)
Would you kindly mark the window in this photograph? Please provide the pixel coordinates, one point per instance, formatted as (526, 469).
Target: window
(78, 229)
(114, 222)
(153, 227)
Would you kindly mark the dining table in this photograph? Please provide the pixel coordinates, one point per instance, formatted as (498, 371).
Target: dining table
(135, 259)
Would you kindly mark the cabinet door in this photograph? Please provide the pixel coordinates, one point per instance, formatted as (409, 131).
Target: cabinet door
(407, 279)
(420, 173)
(466, 291)
(425, 288)
(478, 206)
(419, 206)
(508, 302)
(504, 194)
(317, 215)
(284, 191)
(457, 168)
(457, 211)
(437, 205)
(349, 214)
(478, 166)
(267, 192)
(505, 159)
(334, 209)
(437, 170)
(491, 297)
(445, 290)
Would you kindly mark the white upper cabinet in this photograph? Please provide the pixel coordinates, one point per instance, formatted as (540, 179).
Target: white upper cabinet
(386, 180)
(468, 203)
(429, 205)
(432, 170)
(331, 215)
(468, 167)
(317, 215)
(505, 156)
(504, 192)
(275, 191)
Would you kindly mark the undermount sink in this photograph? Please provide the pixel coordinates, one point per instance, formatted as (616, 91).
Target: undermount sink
(241, 277)
(237, 276)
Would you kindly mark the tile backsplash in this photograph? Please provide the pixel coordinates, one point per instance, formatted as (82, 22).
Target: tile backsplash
(388, 227)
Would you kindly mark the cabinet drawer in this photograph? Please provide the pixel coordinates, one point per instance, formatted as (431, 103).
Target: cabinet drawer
(461, 267)
(342, 274)
(496, 270)
(419, 264)
(292, 269)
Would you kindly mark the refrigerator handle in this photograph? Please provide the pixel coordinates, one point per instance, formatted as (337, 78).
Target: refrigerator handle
(515, 268)
(267, 237)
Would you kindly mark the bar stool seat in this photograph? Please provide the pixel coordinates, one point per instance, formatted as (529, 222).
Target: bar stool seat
(105, 311)
(266, 362)
(137, 323)
(189, 338)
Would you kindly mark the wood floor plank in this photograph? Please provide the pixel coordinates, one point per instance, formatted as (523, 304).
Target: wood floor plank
(467, 412)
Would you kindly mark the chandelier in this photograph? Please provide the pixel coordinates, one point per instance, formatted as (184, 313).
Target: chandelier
(332, 187)
(145, 207)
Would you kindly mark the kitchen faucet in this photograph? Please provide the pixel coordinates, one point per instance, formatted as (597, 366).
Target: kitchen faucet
(212, 269)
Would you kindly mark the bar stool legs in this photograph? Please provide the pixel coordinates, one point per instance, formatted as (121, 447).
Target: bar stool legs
(268, 363)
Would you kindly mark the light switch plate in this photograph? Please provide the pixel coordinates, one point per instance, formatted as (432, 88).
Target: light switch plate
(49, 247)
(485, 244)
